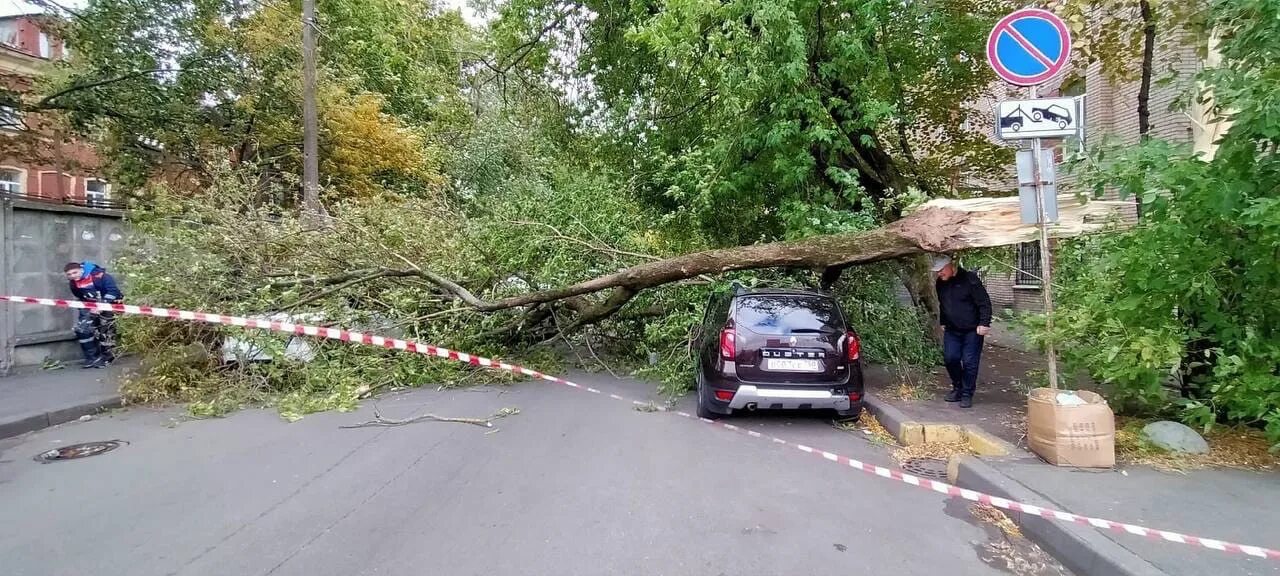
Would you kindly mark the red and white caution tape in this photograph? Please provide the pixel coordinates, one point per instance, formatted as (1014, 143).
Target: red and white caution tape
(427, 349)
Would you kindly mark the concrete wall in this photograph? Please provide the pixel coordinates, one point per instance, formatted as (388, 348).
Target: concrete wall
(39, 240)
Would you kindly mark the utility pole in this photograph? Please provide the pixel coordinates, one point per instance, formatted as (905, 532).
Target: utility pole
(310, 148)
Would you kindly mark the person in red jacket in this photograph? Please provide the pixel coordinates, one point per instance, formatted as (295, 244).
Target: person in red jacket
(95, 331)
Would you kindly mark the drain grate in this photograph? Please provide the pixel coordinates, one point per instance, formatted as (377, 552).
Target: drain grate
(78, 451)
(933, 468)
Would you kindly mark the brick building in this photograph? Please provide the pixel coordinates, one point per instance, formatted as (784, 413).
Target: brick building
(1111, 112)
(38, 161)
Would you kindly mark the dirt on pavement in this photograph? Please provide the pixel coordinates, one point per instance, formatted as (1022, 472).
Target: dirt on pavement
(999, 407)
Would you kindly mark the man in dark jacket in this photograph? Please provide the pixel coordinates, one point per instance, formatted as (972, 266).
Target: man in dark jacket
(965, 315)
(95, 331)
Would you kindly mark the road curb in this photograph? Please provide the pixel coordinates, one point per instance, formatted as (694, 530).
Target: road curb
(1082, 549)
(891, 418)
(909, 432)
(41, 421)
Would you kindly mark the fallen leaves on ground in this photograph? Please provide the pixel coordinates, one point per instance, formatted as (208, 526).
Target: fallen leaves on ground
(994, 516)
(1020, 558)
(649, 407)
(910, 392)
(936, 450)
(912, 385)
(867, 425)
(1229, 447)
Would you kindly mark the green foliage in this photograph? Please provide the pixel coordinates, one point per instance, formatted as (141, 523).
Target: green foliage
(672, 129)
(1109, 33)
(763, 119)
(208, 79)
(217, 250)
(1191, 296)
(892, 332)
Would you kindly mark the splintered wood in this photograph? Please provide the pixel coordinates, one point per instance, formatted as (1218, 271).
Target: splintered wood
(944, 225)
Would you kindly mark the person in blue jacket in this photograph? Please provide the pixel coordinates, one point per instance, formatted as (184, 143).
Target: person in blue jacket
(94, 330)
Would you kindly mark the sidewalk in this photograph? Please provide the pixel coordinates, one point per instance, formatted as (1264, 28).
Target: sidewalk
(32, 398)
(1233, 505)
(999, 407)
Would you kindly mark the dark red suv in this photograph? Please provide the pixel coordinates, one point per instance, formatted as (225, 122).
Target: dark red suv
(776, 349)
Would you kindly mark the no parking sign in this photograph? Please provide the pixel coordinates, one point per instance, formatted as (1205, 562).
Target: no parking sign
(1029, 46)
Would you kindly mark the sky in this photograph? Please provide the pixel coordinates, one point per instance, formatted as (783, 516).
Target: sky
(12, 7)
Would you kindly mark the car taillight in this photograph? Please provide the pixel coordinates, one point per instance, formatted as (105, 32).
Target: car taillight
(728, 347)
(855, 346)
(854, 397)
(725, 395)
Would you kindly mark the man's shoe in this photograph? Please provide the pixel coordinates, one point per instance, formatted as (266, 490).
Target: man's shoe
(966, 402)
(98, 363)
(953, 396)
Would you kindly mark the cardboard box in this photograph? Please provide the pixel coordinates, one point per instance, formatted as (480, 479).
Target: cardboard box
(1081, 436)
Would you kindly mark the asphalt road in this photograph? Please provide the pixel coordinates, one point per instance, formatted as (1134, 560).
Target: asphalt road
(574, 484)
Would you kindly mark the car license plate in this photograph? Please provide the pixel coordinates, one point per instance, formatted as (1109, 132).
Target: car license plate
(793, 365)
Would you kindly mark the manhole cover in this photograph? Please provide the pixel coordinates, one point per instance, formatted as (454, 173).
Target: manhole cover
(934, 468)
(78, 451)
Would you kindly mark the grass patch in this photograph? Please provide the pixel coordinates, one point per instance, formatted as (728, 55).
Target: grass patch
(913, 383)
(1240, 448)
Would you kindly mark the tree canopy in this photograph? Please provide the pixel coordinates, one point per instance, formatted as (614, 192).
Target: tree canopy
(763, 119)
(188, 84)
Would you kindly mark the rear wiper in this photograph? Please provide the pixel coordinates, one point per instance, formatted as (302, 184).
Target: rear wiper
(806, 330)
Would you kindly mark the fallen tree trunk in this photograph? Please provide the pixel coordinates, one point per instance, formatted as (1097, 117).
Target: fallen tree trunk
(937, 226)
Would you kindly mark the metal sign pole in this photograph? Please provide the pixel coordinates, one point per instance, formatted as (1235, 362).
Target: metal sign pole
(1046, 257)
(1027, 48)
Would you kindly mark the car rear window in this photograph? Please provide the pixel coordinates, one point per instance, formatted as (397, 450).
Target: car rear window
(787, 314)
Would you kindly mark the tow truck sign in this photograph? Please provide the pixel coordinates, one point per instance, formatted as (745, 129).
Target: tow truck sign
(1040, 118)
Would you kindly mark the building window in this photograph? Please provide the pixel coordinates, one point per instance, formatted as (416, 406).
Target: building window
(1073, 87)
(1028, 275)
(46, 49)
(11, 181)
(96, 192)
(11, 119)
(9, 33)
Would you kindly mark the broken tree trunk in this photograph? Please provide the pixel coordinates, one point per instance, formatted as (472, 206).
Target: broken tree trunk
(937, 226)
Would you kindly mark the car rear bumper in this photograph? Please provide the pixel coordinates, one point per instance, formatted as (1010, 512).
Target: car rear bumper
(782, 396)
(765, 398)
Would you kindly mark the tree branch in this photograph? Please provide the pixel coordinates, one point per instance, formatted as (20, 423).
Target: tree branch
(523, 50)
(325, 281)
(372, 276)
(47, 101)
(614, 303)
(557, 234)
(938, 226)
